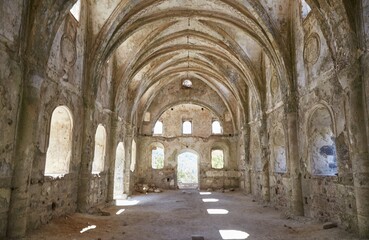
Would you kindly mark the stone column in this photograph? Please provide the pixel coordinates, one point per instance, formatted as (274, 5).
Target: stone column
(359, 155)
(265, 158)
(25, 152)
(359, 108)
(85, 175)
(296, 203)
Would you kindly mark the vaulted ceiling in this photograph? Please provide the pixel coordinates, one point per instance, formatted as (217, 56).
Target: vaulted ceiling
(222, 43)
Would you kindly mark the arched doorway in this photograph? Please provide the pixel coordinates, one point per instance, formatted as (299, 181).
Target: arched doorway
(188, 170)
(119, 172)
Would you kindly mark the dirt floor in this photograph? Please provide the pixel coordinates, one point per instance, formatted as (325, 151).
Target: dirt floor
(177, 215)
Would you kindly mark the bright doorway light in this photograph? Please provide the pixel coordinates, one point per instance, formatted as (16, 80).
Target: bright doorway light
(208, 200)
(233, 234)
(217, 211)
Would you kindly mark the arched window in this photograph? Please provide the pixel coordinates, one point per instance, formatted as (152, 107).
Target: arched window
(216, 127)
(187, 127)
(187, 83)
(59, 152)
(99, 154)
(217, 159)
(158, 129)
(157, 157)
(76, 10)
(306, 9)
(322, 146)
(133, 156)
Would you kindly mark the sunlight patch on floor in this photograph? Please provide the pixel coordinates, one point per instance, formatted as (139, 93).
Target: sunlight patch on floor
(233, 234)
(205, 193)
(123, 203)
(208, 200)
(88, 228)
(217, 211)
(120, 212)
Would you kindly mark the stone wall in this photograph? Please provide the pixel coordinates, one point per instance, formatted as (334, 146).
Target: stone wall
(201, 141)
(11, 68)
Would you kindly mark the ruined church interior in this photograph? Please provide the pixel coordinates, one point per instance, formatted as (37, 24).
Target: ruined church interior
(184, 119)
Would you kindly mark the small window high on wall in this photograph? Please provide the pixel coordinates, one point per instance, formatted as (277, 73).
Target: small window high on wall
(158, 129)
(157, 158)
(76, 10)
(59, 151)
(99, 154)
(217, 159)
(306, 9)
(216, 127)
(187, 127)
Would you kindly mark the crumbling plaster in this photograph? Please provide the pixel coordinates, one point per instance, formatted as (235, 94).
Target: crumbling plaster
(270, 77)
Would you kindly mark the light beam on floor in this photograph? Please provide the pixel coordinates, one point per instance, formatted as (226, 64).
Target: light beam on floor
(120, 212)
(88, 228)
(123, 203)
(209, 200)
(233, 234)
(205, 193)
(217, 211)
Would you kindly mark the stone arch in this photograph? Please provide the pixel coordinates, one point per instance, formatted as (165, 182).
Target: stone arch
(59, 150)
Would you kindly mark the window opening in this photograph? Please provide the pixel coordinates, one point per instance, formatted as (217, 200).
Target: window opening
(187, 127)
(59, 151)
(133, 156)
(99, 152)
(157, 158)
(217, 159)
(119, 172)
(158, 129)
(187, 83)
(306, 9)
(216, 127)
(76, 10)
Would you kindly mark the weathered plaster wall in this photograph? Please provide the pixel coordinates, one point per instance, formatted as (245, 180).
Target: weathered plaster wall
(49, 197)
(11, 67)
(323, 114)
(202, 141)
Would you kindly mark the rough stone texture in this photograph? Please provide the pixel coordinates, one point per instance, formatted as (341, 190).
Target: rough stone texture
(291, 95)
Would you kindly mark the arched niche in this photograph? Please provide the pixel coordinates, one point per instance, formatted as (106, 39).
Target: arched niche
(321, 142)
(59, 150)
(99, 152)
(279, 150)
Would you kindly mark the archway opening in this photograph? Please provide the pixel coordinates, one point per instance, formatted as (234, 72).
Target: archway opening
(188, 171)
(119, 172)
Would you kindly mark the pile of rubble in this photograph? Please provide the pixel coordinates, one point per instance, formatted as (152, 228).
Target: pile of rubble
(147, 188)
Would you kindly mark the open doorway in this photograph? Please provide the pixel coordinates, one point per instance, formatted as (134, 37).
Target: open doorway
(119, 172)
(188, 170)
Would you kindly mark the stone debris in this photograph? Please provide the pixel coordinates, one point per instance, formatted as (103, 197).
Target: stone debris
(147, 188)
